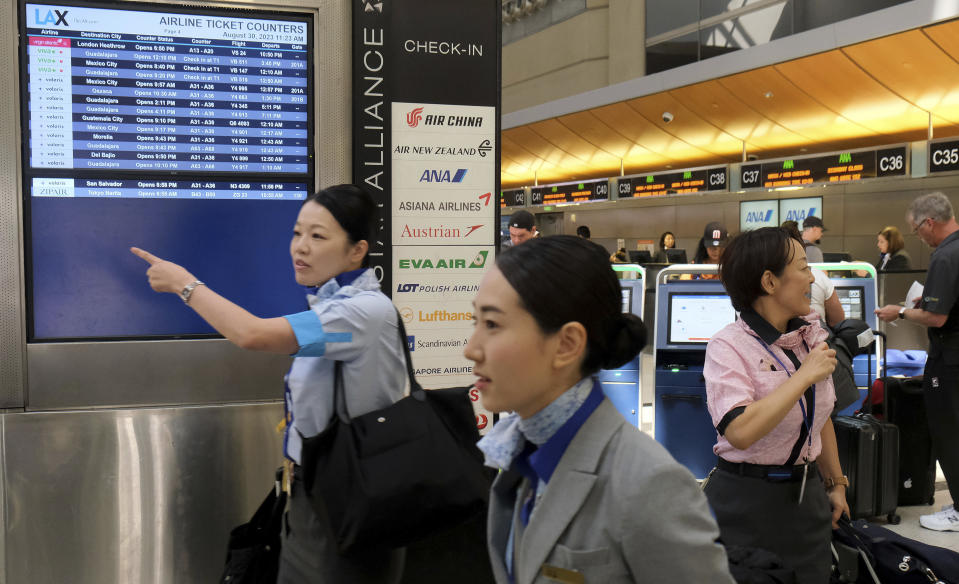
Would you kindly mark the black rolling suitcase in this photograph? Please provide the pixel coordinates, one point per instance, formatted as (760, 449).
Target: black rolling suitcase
(905, 407)
(869, 455)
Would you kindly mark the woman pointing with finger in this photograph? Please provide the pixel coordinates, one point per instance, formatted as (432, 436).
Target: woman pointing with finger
(349, 320)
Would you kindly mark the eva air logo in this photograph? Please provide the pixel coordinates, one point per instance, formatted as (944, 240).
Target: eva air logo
(480, 260)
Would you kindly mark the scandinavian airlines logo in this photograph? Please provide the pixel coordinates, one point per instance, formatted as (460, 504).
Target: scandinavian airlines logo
(443, 175)
(413, 118)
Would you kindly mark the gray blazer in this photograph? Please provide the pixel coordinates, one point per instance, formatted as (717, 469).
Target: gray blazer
(618, 509)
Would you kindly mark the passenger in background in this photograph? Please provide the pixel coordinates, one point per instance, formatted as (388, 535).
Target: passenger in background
(892, 256)
(812, 229)
(583, 231)
(522, 227)
(349, 320)
(822, 293)
(709, 250)
(777, 484)
(666, 241)
(620, 257)
(584, 496)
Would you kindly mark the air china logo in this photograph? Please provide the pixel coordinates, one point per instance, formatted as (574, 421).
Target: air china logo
(49, 19)
(413, 118)
(443, 176)
(445, 263)
(440, 232)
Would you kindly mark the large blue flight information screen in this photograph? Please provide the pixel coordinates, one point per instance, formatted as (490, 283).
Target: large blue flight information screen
(183, 131)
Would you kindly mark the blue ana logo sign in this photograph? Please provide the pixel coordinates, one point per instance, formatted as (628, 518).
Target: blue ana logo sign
(50, 18)
(759, 216)
(798, 215)
(440, 176)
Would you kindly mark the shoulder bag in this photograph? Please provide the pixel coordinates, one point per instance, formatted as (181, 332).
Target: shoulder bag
(395, 475)
(253, 554)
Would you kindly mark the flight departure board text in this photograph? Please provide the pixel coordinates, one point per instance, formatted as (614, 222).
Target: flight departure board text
(512, 198)
(835, 167)
(159, 91)
(695, 180)
(570, 193)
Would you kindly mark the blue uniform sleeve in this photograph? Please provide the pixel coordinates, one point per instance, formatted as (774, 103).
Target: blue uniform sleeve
(341, 330)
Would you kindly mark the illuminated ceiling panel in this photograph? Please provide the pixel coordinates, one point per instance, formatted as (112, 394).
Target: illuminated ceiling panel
(873, 93)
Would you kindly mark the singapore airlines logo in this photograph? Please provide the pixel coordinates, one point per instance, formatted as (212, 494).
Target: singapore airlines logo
(413, 118)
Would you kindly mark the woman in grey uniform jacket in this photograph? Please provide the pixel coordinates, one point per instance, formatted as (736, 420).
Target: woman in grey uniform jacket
(584, 496)
(349, 320)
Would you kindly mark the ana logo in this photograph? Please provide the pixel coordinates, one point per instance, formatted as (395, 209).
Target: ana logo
(759, 216)
(441, 176)
(49, 19)
(413, 118)
(798, 214)
(444, 263)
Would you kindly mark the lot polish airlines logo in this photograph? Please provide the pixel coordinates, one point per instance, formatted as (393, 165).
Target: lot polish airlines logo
(413, 118)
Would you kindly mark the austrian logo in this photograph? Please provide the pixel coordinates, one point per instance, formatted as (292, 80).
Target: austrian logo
(413, 118)
(439, 231)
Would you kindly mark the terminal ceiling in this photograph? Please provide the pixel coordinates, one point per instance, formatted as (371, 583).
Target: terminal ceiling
(882, 91)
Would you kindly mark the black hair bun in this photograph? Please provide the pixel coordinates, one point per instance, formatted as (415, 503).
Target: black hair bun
(626, 338)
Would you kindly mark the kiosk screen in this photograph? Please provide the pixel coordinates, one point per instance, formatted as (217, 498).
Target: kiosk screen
(695, 318)
(851, 298)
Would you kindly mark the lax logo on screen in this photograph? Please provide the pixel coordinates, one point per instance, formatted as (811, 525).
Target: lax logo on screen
(49, 19)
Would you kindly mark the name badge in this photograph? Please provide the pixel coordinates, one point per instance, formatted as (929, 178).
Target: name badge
(563, 575)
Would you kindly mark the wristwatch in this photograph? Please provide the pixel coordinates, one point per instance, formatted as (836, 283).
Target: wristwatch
(188, 290)
(830, 482)
(902, 313)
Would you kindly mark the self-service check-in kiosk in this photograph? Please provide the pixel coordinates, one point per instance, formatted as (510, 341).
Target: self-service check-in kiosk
(622, 385)
(691, 306)
(855, 284)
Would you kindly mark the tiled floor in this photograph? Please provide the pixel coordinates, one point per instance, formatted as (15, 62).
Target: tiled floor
(909, 526)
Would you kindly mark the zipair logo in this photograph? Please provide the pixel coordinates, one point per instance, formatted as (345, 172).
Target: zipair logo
(50, 18)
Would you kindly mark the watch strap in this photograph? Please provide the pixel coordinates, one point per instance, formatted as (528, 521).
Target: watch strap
(187, 291)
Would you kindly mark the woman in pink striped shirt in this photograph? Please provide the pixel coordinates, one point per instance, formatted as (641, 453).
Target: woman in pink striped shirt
(778, 484)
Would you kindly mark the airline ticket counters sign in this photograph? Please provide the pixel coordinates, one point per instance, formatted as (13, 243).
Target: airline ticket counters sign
(425, 144)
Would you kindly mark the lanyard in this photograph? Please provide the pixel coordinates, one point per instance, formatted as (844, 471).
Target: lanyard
(806, 418)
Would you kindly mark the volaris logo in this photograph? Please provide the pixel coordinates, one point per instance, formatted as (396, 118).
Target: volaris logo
(51, 18)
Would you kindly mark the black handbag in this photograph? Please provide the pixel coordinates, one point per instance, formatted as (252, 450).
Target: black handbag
(395, 475)
(253, 553)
